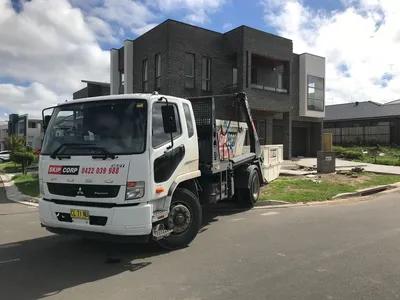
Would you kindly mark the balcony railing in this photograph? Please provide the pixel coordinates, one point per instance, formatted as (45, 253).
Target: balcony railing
(268, 88)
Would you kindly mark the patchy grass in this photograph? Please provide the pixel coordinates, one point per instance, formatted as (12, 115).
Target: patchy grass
(10, 167)
(294, 189)
(355, 153)
(28, 184)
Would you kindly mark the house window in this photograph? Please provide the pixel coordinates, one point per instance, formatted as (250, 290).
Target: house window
(206, 74)
(159, 137)
(280, 81)
(234, 76)
(189, 70)
(144, 75)
(254, 75)
(315, 93)
(158, 72)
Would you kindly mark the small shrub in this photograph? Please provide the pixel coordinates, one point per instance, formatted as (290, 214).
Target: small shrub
(352, 154)
(387, 161)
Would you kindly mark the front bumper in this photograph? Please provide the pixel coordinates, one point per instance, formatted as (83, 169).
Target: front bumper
(119, 221)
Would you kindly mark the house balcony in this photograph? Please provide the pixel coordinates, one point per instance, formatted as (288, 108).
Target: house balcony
(268, 88)
(269, 74)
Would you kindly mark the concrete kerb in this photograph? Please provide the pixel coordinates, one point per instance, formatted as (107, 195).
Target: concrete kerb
(344, 197)
(13, 194)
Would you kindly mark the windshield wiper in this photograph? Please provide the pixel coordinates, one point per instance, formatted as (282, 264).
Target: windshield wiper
(106, 154)
(55, 154)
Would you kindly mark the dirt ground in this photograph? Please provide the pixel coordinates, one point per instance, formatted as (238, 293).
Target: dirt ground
(342, 178)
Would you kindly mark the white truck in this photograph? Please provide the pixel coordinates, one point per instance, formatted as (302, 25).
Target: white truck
(138, 167)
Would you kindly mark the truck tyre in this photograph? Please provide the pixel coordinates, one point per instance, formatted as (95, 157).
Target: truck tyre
(185, 219)
(248, 197)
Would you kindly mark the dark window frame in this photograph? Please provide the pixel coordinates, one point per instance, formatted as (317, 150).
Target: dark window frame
(157, 79)
(145, 75)
(190, 77)
(206, 74)
(310, 86)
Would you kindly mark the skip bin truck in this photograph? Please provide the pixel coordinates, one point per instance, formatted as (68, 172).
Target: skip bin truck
(139, 167)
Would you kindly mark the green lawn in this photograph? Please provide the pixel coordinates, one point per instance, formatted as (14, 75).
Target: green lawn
(10, 167)
(294, 190)
(28, 184)
(355, 153)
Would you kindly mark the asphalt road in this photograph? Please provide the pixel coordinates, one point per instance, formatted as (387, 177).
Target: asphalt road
(347, 251)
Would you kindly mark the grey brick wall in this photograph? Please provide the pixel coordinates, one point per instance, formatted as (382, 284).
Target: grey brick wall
(267, 44)
(172, 39)
(201, 42)
(146, 47)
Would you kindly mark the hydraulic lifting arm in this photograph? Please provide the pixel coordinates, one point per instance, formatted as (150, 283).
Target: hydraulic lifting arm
(255, 146)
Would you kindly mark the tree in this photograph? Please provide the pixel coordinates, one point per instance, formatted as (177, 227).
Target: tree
(20, 153)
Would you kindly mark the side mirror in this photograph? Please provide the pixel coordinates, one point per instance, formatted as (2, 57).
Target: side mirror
(169, 121)
(46, 121)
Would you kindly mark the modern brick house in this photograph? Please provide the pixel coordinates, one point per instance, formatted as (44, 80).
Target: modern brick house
(286, 91)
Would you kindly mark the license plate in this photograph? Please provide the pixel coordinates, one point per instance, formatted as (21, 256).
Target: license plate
(79, 214)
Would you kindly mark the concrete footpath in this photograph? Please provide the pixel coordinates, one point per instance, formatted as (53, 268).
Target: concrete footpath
(14, 194)
(345, 165)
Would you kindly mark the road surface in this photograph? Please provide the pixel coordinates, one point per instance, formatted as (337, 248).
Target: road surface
(344, 252)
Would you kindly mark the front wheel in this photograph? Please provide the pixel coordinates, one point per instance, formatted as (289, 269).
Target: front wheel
(184, 219)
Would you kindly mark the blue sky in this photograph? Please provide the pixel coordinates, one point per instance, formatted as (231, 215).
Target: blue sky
(48, 46)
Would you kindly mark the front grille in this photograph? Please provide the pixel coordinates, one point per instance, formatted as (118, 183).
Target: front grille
(86, 190)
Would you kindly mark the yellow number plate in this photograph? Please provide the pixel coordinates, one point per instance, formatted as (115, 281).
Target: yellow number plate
(79, 214)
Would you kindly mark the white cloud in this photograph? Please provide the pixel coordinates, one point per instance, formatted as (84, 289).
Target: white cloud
(49, 45)
(198, 10)
(361, 43)
(227, 26)
(37, 94)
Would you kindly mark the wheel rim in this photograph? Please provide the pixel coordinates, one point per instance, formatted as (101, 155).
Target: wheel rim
(255, 187)
(180, 218)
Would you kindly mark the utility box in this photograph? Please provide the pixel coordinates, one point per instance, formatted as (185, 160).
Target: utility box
(326, 162)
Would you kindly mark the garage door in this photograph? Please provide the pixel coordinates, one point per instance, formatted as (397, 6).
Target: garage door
(299, 141)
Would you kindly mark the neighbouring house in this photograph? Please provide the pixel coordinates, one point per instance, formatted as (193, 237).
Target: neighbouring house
(31, 128)
(365, 123)
(3, 137)
(92, 89)
(286, 90)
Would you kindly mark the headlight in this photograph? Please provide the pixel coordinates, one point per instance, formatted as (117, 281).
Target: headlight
(134, 190)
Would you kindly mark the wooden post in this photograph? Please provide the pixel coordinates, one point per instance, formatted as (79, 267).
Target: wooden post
(327, 144)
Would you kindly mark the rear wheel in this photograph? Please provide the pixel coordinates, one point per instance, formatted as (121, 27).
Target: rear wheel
(184, 219)
(248, 197)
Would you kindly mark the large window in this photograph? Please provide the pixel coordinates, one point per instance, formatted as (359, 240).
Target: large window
(189, 70)
(158, 72)
(159, 137)
(144, 75)
(315, 93)
(234, 76)
(97, 127)
(206, 74)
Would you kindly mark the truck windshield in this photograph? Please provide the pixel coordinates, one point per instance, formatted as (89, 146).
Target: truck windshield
(117, 126)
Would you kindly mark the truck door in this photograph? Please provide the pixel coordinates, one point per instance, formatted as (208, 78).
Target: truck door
(167, 159)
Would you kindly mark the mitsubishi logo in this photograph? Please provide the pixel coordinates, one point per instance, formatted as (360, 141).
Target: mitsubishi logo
(80, 192)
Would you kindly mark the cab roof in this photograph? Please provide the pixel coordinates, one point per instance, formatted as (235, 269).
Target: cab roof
(145, 96)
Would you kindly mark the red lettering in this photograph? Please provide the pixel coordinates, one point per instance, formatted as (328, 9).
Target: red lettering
(54, 169)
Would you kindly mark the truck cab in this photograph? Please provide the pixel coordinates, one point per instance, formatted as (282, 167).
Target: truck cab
(129, 167)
